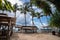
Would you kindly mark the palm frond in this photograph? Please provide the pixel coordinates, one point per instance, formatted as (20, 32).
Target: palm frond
(43, 5)
(0, 4)
(55, 21)
(56, 3)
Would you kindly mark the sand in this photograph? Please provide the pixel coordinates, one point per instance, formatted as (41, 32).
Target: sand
(36, 36)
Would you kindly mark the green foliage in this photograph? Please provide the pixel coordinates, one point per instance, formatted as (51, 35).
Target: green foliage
(33, 14)
(55, 20)
(43, 5)
(24, 8)
(46, 8)
(38, 15)
(56, 3)
(0, 4)
(15, 7)
(6, 5)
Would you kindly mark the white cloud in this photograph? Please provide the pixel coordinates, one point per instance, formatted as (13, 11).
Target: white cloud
(45, 24)
(21, 19)
(39, 25)
(16, 1)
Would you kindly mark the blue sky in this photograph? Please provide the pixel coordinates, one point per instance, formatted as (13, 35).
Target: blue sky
(20, 17)
(25, 0)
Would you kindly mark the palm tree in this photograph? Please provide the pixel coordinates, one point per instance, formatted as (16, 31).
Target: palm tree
(43, 4)
(33, 15)
(24, 9)
(38, 15)
(15, 6)
(32, 12)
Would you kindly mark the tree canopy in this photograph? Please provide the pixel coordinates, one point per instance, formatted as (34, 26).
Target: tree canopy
(55, 21)
(6, 5)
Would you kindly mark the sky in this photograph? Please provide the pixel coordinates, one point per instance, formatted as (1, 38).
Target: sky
(20, 17)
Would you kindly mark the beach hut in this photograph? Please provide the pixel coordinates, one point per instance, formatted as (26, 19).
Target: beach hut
(6, 26)
(29, 29)
(46, 29)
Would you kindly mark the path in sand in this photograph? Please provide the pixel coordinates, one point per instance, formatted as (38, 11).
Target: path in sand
(21, 36)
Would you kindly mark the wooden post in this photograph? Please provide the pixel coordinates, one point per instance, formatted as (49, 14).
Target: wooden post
(11, 30)
(9, 27)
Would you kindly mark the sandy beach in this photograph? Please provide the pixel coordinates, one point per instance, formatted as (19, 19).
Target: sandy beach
(36, 36)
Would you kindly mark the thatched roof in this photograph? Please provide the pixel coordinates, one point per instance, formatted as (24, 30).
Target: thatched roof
(29, 27)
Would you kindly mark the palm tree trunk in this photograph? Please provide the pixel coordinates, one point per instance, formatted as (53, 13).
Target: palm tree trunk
(25, 19)
(52, 14)
(32, 21)
(3, 12)
(47, 19)
(15, 18)
(41, 22)
(32, 13)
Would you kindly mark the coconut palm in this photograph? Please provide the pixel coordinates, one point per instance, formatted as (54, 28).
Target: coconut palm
(33, 15)
(38, 15)
(32, 12)
(43, 5)
(15, 6)
(24, 9)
